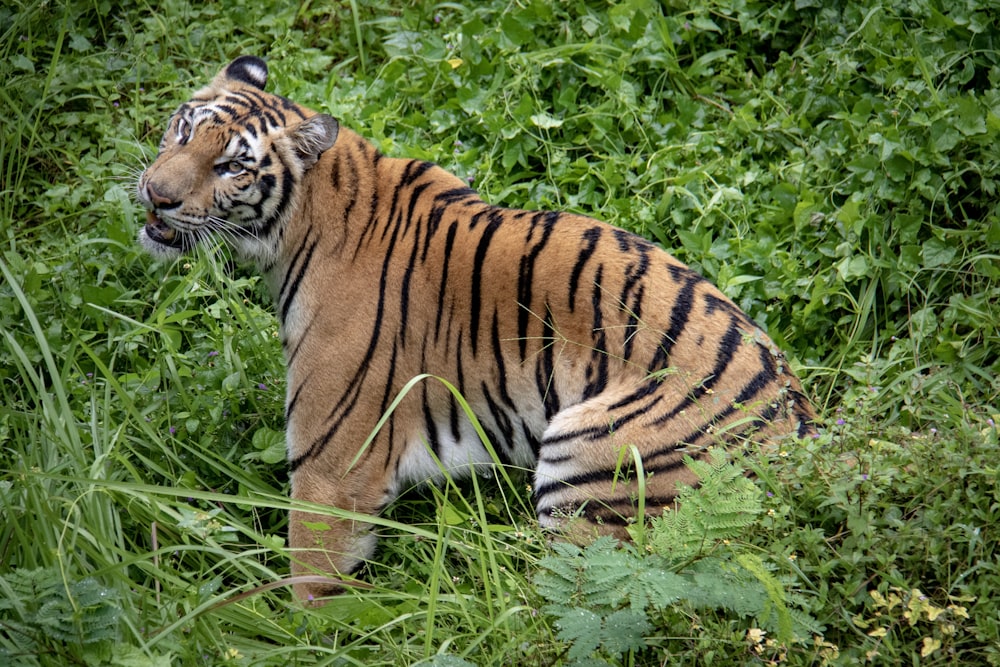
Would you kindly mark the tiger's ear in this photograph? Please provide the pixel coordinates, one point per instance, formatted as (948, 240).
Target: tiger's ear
(313, 136)
(249, 70)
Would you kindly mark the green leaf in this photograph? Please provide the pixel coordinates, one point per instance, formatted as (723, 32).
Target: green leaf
(937, 253)
(79, 43)
(232, 382)
(850, 212)
(514, 31)
(910, 257)
(583, 628)
(624, 631)
(851, 268)
(21, 62)
(545, 121)
(971, 116)
(270, 444)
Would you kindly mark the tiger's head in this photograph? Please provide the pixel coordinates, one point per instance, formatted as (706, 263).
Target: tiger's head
(229, 166)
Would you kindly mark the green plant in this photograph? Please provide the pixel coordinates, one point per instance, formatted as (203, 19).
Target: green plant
(602, 595)
(41, 613)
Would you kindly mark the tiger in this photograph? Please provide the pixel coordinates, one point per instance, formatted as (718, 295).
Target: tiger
(585, 353)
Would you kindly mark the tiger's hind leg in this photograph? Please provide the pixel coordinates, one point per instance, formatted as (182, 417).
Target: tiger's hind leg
(587, 477)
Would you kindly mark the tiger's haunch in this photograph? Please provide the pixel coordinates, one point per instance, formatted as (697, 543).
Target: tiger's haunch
(569, 338)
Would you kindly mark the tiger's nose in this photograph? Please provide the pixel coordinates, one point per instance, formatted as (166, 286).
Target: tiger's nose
(157, 198)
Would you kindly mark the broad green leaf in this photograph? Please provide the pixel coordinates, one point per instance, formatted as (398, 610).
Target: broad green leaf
(937, 253)
(971, 116)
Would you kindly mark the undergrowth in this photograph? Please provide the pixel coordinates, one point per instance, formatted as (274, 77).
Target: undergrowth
(831, 165)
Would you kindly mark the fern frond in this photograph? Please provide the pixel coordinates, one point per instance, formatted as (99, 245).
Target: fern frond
(723, 505)
(40, 608)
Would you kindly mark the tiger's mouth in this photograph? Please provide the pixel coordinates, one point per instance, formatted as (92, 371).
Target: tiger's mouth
(160, 232)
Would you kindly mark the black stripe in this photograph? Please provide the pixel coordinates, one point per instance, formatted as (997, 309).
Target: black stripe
(293, 289)
(288, 105)
(373, 218)
(621, 420)
(287, 186)
(644, 390)
(760, 381)
(679, 315)
(503, 422)
(449, 197)
(498, 360)
(227, 110)
(717, 302)
(545, 370)
(624, 239)
(533, 442)
(596, 476)
(430, 426)
(453, 417)
(632, 325)
(475, 302)
(335, 170)
(654, 503)
(414, 170)
(599, 476)
(592, 236)
(590, 432)
(459, 367)
(443, 288)
(633, 275)
(749, 390)
(267, 183)
(286, 281)
(726, 349)
(526, 274)
(597, 369)
(404, 292)
(412, 207)
(433, 224)
(290, 407)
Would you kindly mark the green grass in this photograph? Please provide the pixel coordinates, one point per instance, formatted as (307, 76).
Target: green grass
(832, 166)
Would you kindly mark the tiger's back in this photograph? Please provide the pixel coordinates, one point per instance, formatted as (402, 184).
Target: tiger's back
(572, 340)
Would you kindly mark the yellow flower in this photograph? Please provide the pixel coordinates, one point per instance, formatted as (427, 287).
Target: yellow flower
(755, 635)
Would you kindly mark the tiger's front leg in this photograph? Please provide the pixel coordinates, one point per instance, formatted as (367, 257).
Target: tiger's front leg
(325, 546)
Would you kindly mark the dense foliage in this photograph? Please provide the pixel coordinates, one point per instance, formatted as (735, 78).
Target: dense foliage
(831, 165)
